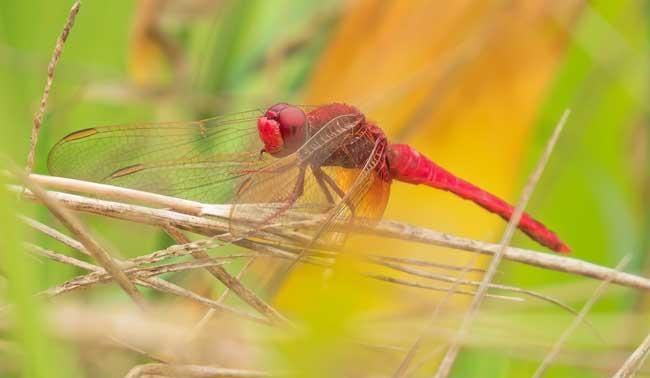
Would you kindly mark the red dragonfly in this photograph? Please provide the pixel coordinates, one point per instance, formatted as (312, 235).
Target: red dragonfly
(298, 158)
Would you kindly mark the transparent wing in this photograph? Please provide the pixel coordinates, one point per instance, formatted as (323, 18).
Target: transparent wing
(217, 160)
(201, 160)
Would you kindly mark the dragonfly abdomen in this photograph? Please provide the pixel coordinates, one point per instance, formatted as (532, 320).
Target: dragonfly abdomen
(408, 165)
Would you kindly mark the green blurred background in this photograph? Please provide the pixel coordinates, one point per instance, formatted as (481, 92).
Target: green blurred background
(477, 85)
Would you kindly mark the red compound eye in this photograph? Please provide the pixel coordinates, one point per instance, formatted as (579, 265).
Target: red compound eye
(291, 118)
(274, 110)
(282, 129)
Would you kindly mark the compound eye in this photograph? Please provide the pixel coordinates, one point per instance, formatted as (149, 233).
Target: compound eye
(274, 110)
(292, 117)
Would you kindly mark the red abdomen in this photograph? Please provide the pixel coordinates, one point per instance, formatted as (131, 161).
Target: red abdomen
(408, 165)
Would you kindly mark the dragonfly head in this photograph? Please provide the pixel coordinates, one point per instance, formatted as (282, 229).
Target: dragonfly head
(282, 129)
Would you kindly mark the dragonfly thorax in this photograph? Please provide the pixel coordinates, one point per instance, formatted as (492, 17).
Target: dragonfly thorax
(282, 129)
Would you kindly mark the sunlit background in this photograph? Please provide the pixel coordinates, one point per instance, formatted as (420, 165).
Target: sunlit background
(477, 86)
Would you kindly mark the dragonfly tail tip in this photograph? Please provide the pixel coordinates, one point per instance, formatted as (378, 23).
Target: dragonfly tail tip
(563, 248)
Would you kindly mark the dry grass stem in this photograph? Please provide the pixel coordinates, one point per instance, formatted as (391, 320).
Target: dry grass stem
(144, 276)
(116, 192)
(63, 259)
(634, 362)
(51, 68)
(86, 281)
(101, 276)
(192, 371)
(402, 231)
(54, 234)
(71, 222)
(463, 281)
(552, 354)
(385, 228)
(134, 266)
(170, 288)
(144, 353)
(231, 282)
(404, 366)
(418, 262)
(201, 324)
(420, 285)
(390, 262)
(450, 357)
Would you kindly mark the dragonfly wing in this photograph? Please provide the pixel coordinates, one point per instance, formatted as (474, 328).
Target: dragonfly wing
(200, 160)
(209, 181)
(329, 139)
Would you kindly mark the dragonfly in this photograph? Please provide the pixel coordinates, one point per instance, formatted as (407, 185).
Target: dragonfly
(327, 159)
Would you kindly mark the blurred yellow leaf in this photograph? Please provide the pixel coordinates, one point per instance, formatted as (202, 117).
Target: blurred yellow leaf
(462, 82)
(150, 51)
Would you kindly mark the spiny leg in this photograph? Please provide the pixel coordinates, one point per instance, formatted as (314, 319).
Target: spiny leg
(318, 175)
(299, 187)
(296, 192)
(334, 186)
(286, 201)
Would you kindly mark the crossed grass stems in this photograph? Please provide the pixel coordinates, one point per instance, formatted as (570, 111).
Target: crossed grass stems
(276, 241)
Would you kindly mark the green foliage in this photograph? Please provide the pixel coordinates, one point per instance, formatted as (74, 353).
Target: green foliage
(596, 169)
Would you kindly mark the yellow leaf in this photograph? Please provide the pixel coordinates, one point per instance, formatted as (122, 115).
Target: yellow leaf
(461, 81)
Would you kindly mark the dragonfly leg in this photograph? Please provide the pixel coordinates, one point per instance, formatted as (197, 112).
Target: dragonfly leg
(299, 187)
(318, 175)
(333, 185)
(296, 192)
(292, 197)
